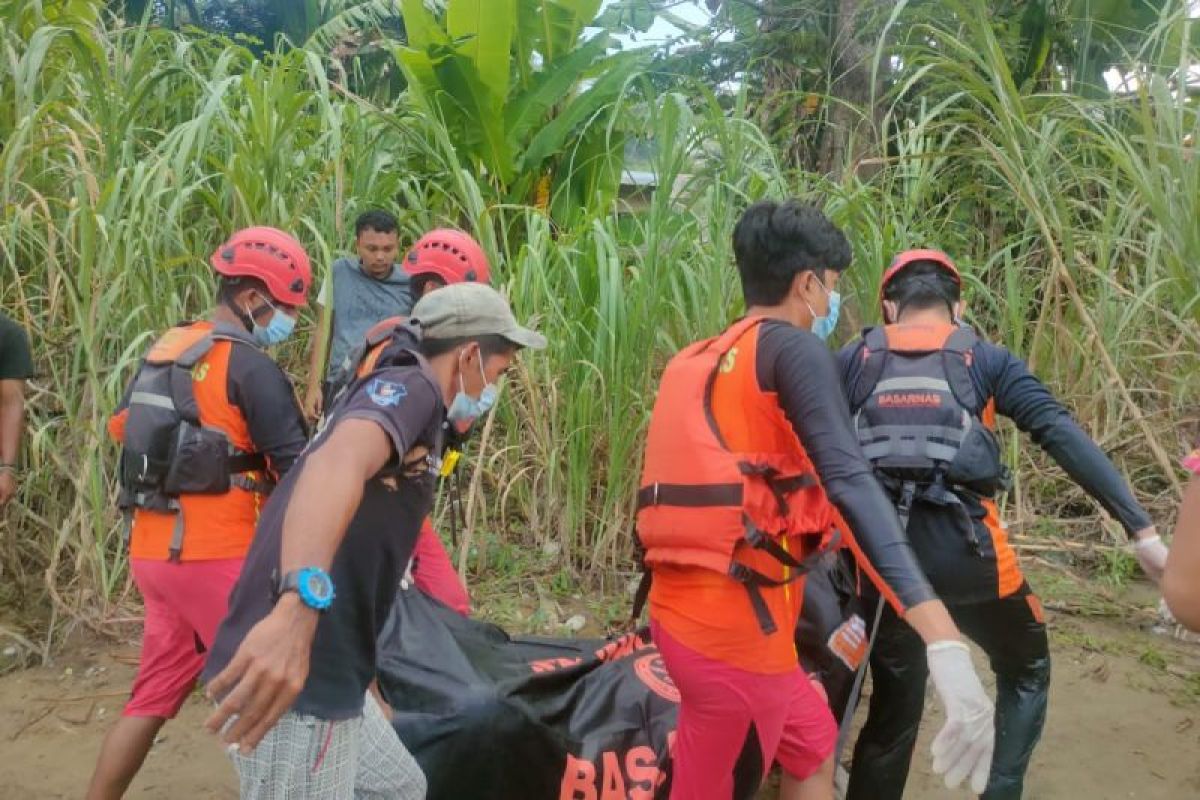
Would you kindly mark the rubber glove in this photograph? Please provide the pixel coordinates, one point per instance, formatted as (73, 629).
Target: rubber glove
(1151, 553)
(963, 748)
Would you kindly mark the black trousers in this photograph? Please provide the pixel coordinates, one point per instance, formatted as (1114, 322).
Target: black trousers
(1012, 632)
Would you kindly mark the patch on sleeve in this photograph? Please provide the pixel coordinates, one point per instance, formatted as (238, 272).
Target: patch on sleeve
(386, 393)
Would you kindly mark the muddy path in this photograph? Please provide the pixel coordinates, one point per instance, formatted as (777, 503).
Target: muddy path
(1124, 722)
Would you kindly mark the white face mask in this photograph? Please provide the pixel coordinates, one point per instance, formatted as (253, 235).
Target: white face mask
(823, 326)
(465, 409)
(278, 328)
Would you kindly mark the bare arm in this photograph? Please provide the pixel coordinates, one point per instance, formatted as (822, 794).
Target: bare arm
(932, 622)
(1181, 582)
(12, 420)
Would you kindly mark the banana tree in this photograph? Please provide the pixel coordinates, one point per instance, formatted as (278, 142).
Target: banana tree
(524, 97)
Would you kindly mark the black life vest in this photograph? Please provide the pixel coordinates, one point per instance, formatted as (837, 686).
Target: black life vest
(917, 415)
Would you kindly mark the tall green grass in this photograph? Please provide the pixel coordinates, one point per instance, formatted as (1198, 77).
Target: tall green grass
(128, 154)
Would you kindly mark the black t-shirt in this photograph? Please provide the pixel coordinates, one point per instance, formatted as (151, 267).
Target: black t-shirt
(798, 366)
(16, 363)
(368, 566)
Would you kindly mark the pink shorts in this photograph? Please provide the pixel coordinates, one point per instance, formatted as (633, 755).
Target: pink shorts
(434, 572)
(724, 709)
(184, 605)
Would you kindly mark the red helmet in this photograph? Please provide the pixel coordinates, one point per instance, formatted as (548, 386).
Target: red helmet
(909, 256)
(451, 255)
(272, 256)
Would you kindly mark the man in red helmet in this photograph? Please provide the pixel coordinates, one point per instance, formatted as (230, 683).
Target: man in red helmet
(207, 426)
(924, 391)
(445, 256)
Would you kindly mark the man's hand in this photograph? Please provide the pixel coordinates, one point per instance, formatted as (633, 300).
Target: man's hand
(313, 403)
(265, 674)
(963, 748)
(1150, 552)
(8, 486)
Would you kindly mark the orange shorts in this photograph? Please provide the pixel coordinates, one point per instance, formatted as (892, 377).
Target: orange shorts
(185, 602)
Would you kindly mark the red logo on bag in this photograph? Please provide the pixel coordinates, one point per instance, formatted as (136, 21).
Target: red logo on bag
(653, 672)
(627, 645)
(553, 664)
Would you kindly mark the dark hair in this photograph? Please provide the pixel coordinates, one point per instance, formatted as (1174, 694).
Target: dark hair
(419, 282)
(228, 287)
(922, 285)
(490, 344)
(376, 220)
(773, 242)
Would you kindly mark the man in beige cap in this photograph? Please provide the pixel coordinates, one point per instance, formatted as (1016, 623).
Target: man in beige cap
(292, 662)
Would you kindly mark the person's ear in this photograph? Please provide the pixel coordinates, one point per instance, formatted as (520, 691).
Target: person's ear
(802, 284)
(960, 308)
(891, 312)
(247, 301)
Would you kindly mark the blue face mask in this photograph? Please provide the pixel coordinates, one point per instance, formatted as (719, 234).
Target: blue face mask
(277, 329)
(823, 327)
(465, 409)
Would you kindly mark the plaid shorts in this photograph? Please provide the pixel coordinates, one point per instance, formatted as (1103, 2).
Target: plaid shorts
(304, 757)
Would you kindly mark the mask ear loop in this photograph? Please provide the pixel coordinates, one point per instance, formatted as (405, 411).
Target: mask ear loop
(462, 386)
(244, 316)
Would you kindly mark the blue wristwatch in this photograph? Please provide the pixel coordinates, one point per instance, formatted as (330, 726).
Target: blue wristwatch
(313, 584)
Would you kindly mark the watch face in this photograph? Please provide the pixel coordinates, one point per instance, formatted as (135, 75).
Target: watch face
(318, 586)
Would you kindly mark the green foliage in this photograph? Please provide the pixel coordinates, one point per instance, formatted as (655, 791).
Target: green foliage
(523, 98)
(130, 152)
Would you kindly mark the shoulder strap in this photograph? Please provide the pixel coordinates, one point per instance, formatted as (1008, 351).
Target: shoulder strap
(962, 340)
(956, 356)
(874, 354)
(401, 339)
(188, 358)
(221, 332)
(234, 333)
(174, 343)
(382, 331)
(725, 340)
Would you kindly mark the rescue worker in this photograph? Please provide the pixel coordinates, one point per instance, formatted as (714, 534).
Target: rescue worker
(293, 660)
(924, 391)
(361, 292)
(16, 367)
(1181, 580)
(207, 425)
(750, 457)
(441, 257)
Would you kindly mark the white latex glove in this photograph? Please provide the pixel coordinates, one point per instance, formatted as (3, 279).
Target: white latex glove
(963, 748)
(1151, 553)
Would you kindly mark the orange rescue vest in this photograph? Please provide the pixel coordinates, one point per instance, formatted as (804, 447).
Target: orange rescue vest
(186, 450)
(725, 471)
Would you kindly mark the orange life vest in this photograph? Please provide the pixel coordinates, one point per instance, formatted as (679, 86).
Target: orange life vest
(707, 496)
(205, 474)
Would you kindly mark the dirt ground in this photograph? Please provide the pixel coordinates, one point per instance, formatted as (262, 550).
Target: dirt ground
(1124, 722)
